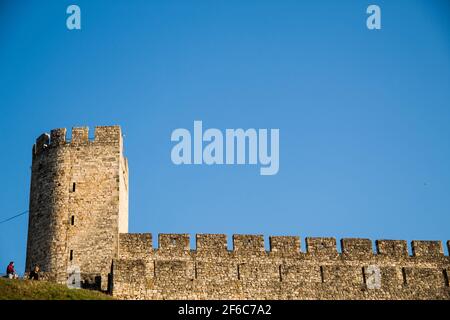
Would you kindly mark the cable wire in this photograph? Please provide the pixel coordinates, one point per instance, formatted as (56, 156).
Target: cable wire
(13, 217)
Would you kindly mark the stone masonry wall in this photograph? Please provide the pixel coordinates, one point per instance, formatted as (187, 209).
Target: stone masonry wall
(78, 218)
(174, 271)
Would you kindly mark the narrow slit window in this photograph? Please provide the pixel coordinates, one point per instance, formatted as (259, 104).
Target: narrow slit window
(446, 277)
(74, 185)
(405, 280)
(321, 274)
(280, 272)
(364, 275)
(195, 270)
(71, 255)
(72, 220)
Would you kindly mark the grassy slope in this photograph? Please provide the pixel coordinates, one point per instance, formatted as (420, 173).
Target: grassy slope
(41, 290)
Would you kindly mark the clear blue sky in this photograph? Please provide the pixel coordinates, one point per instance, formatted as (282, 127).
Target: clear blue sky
(364, 116)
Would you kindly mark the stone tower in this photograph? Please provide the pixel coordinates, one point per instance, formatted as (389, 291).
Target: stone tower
(78, 203)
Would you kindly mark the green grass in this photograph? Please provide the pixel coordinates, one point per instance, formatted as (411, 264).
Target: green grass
(42, 290)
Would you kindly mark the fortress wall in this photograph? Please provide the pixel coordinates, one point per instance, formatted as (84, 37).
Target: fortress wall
(79, 218)
(284, 272)
(130, 279)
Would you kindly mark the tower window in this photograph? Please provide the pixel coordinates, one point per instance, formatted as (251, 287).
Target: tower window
(71, 255)
(74, 186)
(322, 278)
(364, 275)
(446, 277)
(72, 220)
(280, 272)
(405, 279)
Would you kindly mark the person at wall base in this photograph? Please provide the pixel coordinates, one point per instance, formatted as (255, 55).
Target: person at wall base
(11, 272)
(34, 274)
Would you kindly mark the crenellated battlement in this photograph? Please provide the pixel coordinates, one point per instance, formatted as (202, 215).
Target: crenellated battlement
(393, 248)
(173, 243)
(351, 248)
(427, 249)
(215, 244)
(356, 248)
(79, 137)
(284, 245)
(174, 270)
(321, 246)
(248, 244)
